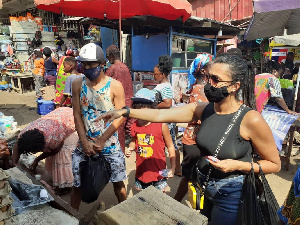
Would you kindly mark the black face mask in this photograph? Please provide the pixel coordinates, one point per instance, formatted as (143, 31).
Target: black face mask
(214, 94)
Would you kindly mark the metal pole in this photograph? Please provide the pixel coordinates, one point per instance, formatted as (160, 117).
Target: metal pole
(296, 91)
(120, 29)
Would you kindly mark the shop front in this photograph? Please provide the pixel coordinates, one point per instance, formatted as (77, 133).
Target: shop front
(182, 41)
(183, 48)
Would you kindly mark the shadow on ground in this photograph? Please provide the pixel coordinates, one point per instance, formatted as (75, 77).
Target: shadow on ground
(22, 113)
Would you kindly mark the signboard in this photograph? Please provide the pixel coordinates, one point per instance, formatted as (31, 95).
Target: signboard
(279, 54)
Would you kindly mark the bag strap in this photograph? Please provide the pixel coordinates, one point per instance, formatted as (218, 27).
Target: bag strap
(260, 169)
(223, 139)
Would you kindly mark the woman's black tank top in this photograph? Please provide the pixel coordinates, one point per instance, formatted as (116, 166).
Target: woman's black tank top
(208, 137)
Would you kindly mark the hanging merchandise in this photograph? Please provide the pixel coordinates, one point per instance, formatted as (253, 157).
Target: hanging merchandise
(37, 40)
(10, 49)
(259, 41)
(58, 40)
(257, 55)
(93, 33)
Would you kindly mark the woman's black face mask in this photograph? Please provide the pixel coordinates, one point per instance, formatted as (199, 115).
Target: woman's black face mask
(214, 94)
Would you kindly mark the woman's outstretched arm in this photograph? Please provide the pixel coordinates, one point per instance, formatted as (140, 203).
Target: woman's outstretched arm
(182, 114)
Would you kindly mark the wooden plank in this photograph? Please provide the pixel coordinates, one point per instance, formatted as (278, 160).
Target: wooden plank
(150, 206)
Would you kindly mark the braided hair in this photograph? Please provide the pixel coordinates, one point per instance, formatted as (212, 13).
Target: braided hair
(238, 69)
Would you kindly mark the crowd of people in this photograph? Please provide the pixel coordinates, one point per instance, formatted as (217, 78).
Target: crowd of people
(226, 102)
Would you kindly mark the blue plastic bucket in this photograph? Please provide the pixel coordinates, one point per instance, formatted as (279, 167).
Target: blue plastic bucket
(44, 107)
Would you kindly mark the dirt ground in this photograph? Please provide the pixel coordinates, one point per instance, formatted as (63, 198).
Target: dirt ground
(23, 108)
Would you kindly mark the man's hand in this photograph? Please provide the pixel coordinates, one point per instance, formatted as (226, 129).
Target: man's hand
(99, 145)
(33, 166)
(88, 148)
(292, 113)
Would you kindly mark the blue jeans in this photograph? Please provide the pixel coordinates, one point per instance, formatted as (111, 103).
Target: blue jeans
(222, 199)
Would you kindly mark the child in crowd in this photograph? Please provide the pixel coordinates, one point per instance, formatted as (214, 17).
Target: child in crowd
(38, 72)
(165, 93)
(70, 65)
(50, 67)
(149, 141)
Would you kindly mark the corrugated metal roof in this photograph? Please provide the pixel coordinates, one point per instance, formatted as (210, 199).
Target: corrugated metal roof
(269, 24)
(214, 21)
(220, 9)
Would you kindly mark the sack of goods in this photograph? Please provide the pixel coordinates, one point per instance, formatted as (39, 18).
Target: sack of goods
(6, 210)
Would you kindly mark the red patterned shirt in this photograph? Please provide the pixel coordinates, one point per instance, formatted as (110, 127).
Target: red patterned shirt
(56, 127)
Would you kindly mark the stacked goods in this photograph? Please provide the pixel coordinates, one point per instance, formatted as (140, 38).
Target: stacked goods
(4, 151)
(8, 127)
(22, 31)
(6, 210)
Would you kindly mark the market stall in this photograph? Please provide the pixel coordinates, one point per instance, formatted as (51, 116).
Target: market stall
(183, 49)
(183, 42)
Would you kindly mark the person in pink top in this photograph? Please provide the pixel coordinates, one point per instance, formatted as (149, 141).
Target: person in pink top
(267, 86)
(55, 136)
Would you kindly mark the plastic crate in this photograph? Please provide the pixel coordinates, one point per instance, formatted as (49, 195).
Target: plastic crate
(44, 107)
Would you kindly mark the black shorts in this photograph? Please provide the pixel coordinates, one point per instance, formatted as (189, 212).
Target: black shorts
(191, 154)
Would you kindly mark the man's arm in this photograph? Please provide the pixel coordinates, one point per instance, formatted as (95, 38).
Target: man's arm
(45, 155)
(283, 105)
(131, 147)
(165, 104)
(54, 60)
(171, 148)
(118, 99)
(86, 144)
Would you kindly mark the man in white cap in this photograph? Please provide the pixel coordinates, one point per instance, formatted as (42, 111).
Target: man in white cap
(94, 95)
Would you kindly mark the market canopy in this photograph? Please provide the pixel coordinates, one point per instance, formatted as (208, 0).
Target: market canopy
(272, 17)
(109, 9)
(292, 40)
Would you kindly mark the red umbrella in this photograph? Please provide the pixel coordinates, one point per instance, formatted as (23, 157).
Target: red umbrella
(118, 9)
(109, 9)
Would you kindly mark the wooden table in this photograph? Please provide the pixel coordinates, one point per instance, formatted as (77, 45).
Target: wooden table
(285, 160)
(20, 78)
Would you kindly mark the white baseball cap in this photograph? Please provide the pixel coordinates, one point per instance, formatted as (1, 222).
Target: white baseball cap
(91, 53)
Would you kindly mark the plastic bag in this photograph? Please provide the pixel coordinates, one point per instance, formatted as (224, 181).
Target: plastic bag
(258, 205)
(95, 174)
(26, 196)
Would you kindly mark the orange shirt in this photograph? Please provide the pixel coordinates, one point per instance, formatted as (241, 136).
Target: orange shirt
(39, 67)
